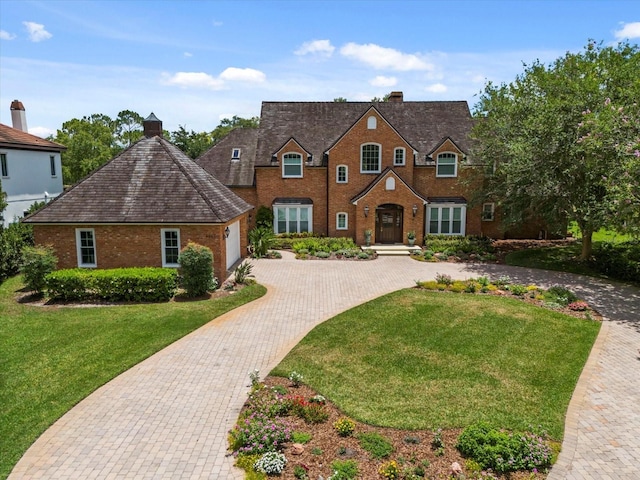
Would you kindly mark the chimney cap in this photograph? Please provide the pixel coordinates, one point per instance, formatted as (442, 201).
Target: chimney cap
(152, 118)
(396, 97)
(17, 105)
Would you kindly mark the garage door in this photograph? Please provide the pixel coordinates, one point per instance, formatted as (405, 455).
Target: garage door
(233, 244)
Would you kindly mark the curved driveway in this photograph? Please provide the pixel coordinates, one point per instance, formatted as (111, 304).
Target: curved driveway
(168, 417)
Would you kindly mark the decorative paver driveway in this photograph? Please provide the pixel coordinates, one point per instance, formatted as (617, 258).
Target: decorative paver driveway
(168, 417)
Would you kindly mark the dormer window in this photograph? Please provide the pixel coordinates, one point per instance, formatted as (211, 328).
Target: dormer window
(447, 165)
(292, 165)
(235, 154)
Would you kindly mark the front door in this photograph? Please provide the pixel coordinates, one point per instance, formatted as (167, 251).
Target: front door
(389, 224)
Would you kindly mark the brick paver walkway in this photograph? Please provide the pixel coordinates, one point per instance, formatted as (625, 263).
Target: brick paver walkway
(168, 417)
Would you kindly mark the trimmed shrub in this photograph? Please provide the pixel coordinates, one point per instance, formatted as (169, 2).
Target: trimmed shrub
(196, 267)
(619, 260)
(264, 217)
(13, 240)
(119, 284)
(37, 263)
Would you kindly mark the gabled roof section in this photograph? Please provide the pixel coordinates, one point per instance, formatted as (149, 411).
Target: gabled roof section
(319, 125)
(444, 140)
(150, 182)
(13, 138)
(218, 162)
(366, 114)
(277, 152)
(383, 175)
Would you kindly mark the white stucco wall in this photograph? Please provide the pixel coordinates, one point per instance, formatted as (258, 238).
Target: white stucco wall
(29, 177)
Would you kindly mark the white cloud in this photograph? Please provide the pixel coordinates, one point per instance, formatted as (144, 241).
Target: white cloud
(188, 54)
(193, 80)
(381, 81)
(382, 57)
(217, 23)
(628, 31)
(42, 132)
(436, 88)
(4, 35)
(319, 47)
(243, 75)
(37, 33)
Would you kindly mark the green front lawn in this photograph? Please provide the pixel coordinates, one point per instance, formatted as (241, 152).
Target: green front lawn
(425, 360)
(53, 357)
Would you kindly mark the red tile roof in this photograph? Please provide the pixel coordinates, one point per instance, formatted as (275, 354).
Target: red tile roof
(13, 138)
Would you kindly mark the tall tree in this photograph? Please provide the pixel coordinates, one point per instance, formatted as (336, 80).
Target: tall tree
(530, 130)
(90, 143)
(128, 127)
(228, 124)
(192, 143)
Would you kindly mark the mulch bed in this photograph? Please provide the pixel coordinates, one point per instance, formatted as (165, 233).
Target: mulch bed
(412, 448)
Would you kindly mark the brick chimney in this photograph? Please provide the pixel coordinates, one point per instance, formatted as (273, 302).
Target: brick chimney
(396, 97)
(18, 116)
(152, 126)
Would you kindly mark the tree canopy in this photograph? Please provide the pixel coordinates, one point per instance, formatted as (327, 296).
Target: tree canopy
(562, 141)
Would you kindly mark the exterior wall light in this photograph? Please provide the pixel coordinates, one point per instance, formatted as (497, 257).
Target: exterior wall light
(226, 232)
(414, 209)
(366, 210)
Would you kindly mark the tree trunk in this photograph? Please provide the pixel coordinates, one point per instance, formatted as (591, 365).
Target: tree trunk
(587, 246)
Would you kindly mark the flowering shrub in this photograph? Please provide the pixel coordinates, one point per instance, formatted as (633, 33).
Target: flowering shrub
(296, 378)
(578, 306)
(311, 411)
(389, 470)
(258, 433)
(502, 451)
(344, 427)
(443, 279)
(268, 401)
(271, 463)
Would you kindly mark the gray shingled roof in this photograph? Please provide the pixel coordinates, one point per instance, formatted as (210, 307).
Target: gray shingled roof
(150, 182)
(318, 125)
(217, 160)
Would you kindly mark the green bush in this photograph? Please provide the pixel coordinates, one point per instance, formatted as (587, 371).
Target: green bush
(261, 240)
(119, 284)
(559, 294)
(503, 451)
(264, 217)
(324, 244)
(196, 268)
(37, 263)
(377, 445)
(452, 245)
(344, 470)
(13, 240)
(619, 260)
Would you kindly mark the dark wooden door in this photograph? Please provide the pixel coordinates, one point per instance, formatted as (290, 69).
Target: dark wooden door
(389, 223)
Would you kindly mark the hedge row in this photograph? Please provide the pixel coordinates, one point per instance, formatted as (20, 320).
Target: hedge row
(619, 260)
(120, 284)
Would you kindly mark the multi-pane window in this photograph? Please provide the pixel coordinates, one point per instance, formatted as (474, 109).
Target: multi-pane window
(3, 165)
(86, 247)
(398, 156)
(370, 158)
(447, 165)
(292, 218)
(292, 165)
(341, 174)
(170, 247)
(488, 211)
(341, 221)
(446, 219)
(52, 162)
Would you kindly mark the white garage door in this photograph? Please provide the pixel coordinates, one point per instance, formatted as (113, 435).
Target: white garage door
(233, 244)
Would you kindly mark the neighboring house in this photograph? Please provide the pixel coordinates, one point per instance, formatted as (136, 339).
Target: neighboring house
(341, 168)
(30, 166)
(141, 209)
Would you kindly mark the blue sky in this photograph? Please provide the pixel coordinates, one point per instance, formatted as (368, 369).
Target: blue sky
(195, 62)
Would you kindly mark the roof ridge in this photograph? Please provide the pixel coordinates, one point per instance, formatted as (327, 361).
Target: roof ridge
(196, 185)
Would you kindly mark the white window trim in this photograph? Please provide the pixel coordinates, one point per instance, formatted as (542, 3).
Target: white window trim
(487, 218)
(346, 174)
(4, 157)
(440, 206)
(379, 158)
(301, 165)
(455, 165)
(346, 221)
(286, 206)
(163, 246)
(372, 123)
(404, 156)
(235, 156)
(79, 248)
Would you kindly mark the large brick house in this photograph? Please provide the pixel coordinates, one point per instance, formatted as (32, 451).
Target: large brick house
(341, 168)
(141, 209)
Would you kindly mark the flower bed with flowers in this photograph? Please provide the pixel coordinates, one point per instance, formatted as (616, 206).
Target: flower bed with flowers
(277, 436)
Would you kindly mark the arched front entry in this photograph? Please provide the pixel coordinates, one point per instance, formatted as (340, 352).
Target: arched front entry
(389, 223)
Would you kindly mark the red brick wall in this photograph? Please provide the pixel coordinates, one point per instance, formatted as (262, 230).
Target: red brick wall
(136, 245)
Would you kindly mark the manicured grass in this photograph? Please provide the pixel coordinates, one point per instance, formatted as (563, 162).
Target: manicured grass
(602, 235)
(51, 358)
(559, 259)
(424, 360)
